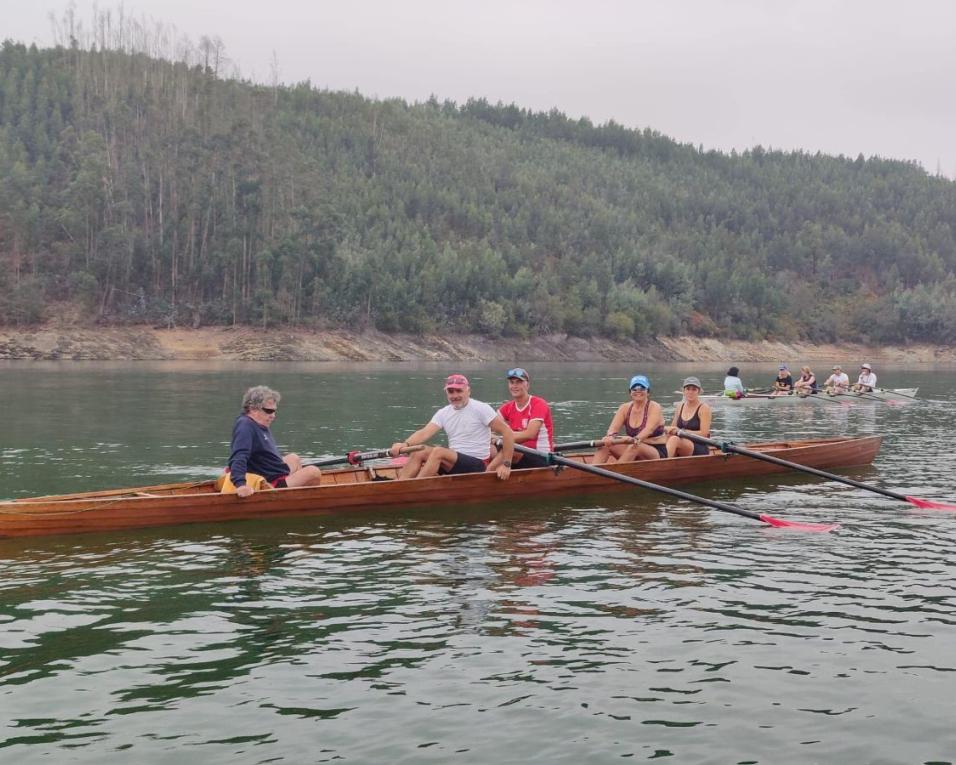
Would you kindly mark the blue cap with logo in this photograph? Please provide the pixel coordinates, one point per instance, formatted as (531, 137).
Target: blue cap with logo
(639, 380)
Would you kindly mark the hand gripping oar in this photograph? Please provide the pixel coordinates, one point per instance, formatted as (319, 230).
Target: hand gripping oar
(357, 458)
(926, 504)
(556, 459)
(596, 444)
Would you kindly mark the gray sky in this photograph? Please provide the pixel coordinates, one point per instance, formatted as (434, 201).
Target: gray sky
(839, 76)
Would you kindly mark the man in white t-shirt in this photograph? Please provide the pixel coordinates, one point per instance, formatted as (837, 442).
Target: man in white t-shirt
(838, 382)
(866, 382)
(468, 424)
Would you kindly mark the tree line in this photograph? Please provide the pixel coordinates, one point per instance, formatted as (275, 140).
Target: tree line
(146, 183)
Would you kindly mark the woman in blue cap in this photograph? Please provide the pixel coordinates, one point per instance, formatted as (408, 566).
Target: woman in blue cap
(642, 420)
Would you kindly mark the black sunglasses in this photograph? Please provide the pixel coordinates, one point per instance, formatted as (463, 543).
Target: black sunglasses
(267, 410)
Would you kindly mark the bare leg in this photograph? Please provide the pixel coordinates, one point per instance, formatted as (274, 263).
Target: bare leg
(439, 456)
(640, 452)
(608, 454)
(309, 475)
(413, 467)
(497, 458)
(679, 447)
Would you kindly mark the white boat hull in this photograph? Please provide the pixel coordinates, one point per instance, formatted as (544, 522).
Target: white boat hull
(894, 395)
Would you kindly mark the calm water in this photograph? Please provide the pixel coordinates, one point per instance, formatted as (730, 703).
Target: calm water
(579, 630)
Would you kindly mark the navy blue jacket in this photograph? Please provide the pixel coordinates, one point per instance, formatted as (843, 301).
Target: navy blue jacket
(254, 450)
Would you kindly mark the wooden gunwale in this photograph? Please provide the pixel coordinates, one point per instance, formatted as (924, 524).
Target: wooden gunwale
(352, 489)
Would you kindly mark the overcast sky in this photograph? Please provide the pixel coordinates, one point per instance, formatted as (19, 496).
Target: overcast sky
(875, 77)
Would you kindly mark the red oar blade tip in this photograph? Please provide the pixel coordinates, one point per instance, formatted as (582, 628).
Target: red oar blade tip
(821, 528)
(928, 504)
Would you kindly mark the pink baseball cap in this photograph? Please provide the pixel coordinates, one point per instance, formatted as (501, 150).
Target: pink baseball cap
(456, 381)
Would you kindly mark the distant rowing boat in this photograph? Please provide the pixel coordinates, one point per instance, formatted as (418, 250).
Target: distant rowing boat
(361, 489)
(886, 395)
(899, 395)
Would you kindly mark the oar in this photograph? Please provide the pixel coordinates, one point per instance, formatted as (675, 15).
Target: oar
(868, 396)
(895, 392)
(357, 458)
(596, 444)
(829, 399)
(556, 459)
(926, 504)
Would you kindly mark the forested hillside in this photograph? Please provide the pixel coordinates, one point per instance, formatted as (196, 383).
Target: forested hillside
(153, 191)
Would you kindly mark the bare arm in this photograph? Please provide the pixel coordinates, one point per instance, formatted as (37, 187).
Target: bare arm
(677, 411)
(655, 420)
(705, 419)
(420, 436)
(500, 427)
(616, 424)
(529, 432)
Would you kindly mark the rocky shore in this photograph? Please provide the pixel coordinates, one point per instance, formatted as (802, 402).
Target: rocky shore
(72, 342)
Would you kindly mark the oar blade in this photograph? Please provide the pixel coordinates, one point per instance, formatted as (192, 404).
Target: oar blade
(820, 528)
(928, 504)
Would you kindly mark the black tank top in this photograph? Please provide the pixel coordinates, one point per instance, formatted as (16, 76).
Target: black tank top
(693, 423)
(632, 432)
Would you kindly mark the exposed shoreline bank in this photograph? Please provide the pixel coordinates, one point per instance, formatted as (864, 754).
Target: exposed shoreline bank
(75, 343)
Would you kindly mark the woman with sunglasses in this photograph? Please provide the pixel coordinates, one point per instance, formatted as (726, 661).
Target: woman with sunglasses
(642, 420)
(694, 416)
(254, 452)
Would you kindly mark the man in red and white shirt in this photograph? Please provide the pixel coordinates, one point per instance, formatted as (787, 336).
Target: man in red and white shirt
(530, 419)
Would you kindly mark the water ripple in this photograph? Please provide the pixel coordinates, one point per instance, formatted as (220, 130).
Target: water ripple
(628, 625)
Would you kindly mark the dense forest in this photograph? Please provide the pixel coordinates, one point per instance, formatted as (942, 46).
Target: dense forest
(149, 187)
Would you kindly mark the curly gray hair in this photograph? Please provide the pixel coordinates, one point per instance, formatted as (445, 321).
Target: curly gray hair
(256, 396)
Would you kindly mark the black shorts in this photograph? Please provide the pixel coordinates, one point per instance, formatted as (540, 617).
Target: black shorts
(700, 450)
(661, 449)
(527, 461)
(465, 464)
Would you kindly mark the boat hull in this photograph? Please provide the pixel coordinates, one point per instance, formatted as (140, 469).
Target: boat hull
(894, 395)
(887, 395)
(353, 489)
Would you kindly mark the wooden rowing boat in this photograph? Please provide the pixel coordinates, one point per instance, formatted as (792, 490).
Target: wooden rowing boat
(362, 488)
(888, 395)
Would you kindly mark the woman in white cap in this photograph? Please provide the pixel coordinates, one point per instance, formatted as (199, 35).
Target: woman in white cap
(838, 382)
(866, 382)
(694, 416)
(642, 420)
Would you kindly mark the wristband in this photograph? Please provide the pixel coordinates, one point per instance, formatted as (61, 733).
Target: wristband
(506, 463)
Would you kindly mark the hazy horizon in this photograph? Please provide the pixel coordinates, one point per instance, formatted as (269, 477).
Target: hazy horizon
(839, 77)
